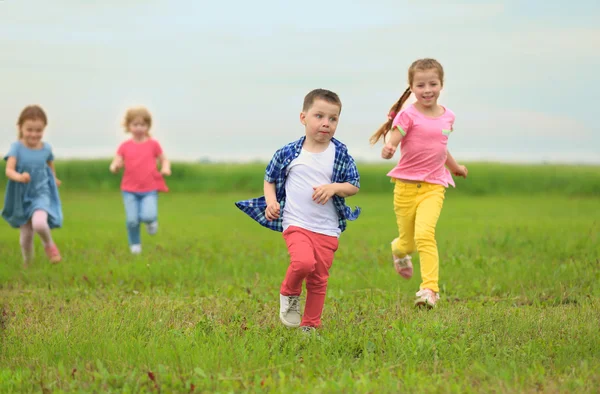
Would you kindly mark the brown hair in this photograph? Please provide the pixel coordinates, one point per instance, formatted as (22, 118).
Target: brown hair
(418, 65)
(321, 94)
(31, 112)
(137, 112)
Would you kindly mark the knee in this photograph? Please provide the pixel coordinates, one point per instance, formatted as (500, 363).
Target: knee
(401, 248)
(425, 236)
(147, 217)
(303, 267)
(132, 221)
(39, 226)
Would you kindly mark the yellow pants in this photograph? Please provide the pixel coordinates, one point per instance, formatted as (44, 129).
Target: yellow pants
(418, 207)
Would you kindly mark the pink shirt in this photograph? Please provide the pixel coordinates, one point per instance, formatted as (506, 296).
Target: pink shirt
(141, 173)
(423, 146)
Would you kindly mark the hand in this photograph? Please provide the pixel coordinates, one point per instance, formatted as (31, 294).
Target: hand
(25, 177)
(273, 210)
(388, 151)
(114, 168)
(57, 181)
(461, 171)
(165, 171)
(323, 193)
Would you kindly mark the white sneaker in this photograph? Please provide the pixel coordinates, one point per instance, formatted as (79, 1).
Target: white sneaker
(152, 228)
(289, 310)
(136, 249)
(427, 298)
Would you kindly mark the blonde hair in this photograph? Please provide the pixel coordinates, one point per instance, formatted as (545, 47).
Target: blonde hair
(137, 112)
(417, 65)
(31, 112)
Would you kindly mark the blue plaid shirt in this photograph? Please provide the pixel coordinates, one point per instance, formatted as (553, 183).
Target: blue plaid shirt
(344, 170)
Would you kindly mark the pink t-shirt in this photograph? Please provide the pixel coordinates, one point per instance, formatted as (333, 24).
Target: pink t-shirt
(423, 146)
(141, 172)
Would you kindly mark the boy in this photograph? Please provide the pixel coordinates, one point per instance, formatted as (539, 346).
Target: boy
(305, 186)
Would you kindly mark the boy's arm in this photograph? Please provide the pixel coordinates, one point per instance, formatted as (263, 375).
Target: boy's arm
(273, 210)
(345, 189)
(351, 183)
(350, 186)
(270, 192)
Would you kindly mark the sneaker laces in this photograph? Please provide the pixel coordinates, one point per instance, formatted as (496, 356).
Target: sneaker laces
(294, 304)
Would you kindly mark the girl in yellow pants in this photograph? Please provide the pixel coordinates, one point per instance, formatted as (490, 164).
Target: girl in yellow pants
(422, 174)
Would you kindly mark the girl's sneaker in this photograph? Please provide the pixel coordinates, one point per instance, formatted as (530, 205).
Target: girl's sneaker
(403, 265)
(136, 249)
(427, 298)
(53, 253)
(152, 228)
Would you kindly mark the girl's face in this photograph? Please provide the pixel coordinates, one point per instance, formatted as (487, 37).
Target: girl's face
(426, 86)
(32, 131)
(138, 128)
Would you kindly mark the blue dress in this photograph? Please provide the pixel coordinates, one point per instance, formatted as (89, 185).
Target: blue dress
(41, 193)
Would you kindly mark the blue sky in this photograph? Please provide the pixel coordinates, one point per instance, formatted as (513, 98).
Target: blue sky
(226, 80)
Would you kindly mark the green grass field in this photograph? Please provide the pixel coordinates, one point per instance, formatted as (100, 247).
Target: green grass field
(198, 311)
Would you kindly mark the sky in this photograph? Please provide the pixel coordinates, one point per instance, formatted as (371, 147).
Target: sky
(225, 81)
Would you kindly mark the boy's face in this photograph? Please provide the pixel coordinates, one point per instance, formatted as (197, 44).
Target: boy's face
(320, 121)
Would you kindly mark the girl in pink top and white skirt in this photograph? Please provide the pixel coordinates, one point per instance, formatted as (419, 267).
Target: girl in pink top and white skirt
(422, 174)
(141, 179)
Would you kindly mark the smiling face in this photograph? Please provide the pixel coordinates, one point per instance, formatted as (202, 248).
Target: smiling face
(320, 122)
(426, 86)
(31, 132)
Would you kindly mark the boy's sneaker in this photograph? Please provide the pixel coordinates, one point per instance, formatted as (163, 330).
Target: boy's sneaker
(289, 310)
(427, 298)
(152, 228)
(53, 253)
(403, 265)
(136, 249)
(309, 332)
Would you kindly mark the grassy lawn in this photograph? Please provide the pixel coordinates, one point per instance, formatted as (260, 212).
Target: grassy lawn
(198, 310)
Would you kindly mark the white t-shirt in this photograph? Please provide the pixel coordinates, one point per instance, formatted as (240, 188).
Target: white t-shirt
(306, 171)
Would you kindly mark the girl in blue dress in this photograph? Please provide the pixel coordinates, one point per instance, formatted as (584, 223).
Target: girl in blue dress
(32, 203)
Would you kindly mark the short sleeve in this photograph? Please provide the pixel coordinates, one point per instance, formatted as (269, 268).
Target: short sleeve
(402, 122)
(157, 148)
(274, 167)
(12, 151)
(48, 148)
(121, 149)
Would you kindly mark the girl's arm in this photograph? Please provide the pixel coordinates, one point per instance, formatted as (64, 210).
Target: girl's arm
(454, 167)
(11, 172)
(51, 165)
(165, 165)
(116, 164)
(389, 149)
